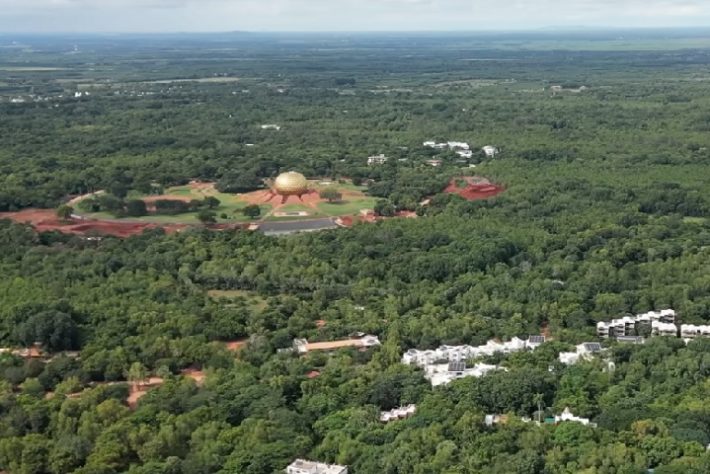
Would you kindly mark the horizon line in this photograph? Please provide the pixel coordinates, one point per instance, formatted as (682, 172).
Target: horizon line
(543, 29)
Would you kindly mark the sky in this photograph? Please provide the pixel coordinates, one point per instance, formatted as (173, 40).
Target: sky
(113, 16)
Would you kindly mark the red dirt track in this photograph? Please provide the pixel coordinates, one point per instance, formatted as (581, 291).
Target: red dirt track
(475, 189)
(45, 220)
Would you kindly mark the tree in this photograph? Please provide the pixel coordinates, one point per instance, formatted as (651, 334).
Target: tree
(136, 208)
(136, 373)
(252, 211)
(212, 202)
(331, 194)
(64, 212)
(206, 216)
(384, 208)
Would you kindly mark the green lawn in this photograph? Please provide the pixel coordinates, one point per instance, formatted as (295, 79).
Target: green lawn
(351, 207)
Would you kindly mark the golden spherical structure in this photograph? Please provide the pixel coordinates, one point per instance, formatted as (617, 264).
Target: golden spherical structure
(290, 184)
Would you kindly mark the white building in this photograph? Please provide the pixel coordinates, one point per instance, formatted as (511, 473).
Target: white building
(458, 146)
(271, 126)
(300, 466)
(380, 159)
(454, 353)
(626, 326)
(568, 416)
(443, 374)
(490, 151)
(664, 329)
(465, 153)
(584, 351)
(692, 331)
(397, 413)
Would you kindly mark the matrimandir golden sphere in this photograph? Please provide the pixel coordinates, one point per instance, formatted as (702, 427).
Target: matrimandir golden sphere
(290, 184)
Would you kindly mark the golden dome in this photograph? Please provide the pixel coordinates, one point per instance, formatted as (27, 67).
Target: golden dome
(291, 184)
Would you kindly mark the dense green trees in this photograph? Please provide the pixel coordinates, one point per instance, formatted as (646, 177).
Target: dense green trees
(605, 212)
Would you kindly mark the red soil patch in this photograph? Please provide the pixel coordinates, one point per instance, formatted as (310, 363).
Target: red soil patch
(197, 375)
(236, 345)
(476, 188)
(313, 374)
(138, 390)
(320, 323)
(45, 220)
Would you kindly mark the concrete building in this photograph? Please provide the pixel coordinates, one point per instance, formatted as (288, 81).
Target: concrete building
(449, 353)
(628, 325)
(692, 331)
(301, 466)
(271, 126)
(659, 328)
(397, 413)
(380, 159)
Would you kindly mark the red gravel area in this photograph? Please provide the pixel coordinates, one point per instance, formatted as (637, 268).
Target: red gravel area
(475, 189)
(45, 220)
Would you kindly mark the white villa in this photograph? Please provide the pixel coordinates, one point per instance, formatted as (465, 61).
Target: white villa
(664, 329)
(692, 331)
(453, 145)
(568, 416)
(443, 374)
(397, 413)
(584, 351)
(626, 326)
(380, 159)
(490, 151)
(447, 363)
(300, 466)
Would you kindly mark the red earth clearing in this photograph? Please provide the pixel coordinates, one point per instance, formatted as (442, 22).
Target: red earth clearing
(46, 220)
(197, 375)
(475, 189)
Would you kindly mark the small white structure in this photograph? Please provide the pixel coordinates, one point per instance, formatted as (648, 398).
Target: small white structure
(398, 413)
(465, 153)
(584, 351)
(271, 126)
(491, 420)
(301, 466)
(434, 163)
(458, 146)
(568, 416)
(490, 151)
(380, 159)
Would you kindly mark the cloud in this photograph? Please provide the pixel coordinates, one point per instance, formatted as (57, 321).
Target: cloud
(342, 15)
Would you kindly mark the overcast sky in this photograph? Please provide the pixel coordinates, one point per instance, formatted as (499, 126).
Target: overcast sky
(342, 15)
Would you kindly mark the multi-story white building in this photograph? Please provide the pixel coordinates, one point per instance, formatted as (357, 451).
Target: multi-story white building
(692, 331)
(380, 159)
(448, 353)
(300, 466)
(659, 328)
(627, 325)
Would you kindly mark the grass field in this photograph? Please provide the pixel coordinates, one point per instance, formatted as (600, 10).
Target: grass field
(232, 205)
